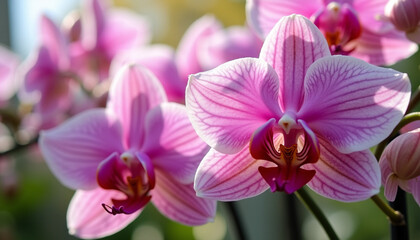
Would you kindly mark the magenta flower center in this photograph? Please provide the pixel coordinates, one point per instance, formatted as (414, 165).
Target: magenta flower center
(287, 176)
(130, 174)
(340, 25)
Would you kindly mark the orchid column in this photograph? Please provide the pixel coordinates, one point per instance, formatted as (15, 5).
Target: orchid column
(295, 116)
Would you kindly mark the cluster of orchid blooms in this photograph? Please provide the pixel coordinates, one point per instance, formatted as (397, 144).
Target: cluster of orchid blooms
(296, 99)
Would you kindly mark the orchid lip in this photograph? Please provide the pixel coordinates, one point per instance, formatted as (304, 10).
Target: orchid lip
(132, 175)
(288, 175)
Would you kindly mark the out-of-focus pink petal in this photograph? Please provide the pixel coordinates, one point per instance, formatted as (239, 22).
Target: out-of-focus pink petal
(86, 218)
(160, 60)
(391, 187)
(225, 45)
(54, 41)
(74, 149)
(262, 15)
(179, 202)
(124, 30)
(133, 92)
(171, 142)
(9, 83)
(415, 189)
(228, 103)
(352, 104)
(345, 177)
(188, 47)
(93, 22)
(230, 177)
(290, 48)
(383, 49)
(370, 13)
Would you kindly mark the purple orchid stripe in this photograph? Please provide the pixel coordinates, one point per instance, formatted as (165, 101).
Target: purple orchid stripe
(183, 197)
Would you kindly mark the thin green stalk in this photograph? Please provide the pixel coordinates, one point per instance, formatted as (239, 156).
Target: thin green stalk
(19, 147)
(411, 117)
(236, 220)
(395, 217)
(307, 200)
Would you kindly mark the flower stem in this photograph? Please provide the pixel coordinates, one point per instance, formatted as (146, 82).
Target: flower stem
(19, 147)
(400, 232)
(306, 199)
(236, 220)
(414, 100)
(395, 217)
(411, 117)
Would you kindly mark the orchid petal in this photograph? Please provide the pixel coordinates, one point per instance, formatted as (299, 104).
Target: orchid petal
(124, 30)
(415, 189)
(225, 45)
(345, 177)
(93, 23)
(186, 56)
(179, 202)
(133, 92)
(228, 103)
(230, 177)
(262, 15)
(383, 49)
(9, 83)
(391, 187)
(370, 13)
(159, 59)
(290, 48)
(86, 218)
(54, 41)
(172, 143)
(74, 149)
(352, 104)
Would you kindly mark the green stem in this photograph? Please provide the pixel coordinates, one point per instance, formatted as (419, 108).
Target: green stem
(414, 100)
(19, 147)
(411, 117)
(306, 199)
(395, 217)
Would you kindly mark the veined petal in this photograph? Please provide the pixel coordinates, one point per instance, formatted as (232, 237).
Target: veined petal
(74, 149)
(179, 202)
(352, 104)
(86, 218)
(171, 142)
(291, 47)
(383, 49)
(262, 15)
(186, 55)
(133, 92)
(232, 177)
(228, 103)
(345, 177)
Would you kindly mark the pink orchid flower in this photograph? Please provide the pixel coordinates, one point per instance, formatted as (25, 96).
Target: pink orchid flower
(9, 83)
(46, 82)
(400, 165)
(295, 116)
(139, 149)
(352, 27)
(104, 32)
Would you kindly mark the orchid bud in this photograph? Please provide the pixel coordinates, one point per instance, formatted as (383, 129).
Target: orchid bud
(405, 15)
(400, 163)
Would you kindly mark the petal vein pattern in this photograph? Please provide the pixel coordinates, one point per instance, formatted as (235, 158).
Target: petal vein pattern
(227, 103)
(352, 104)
